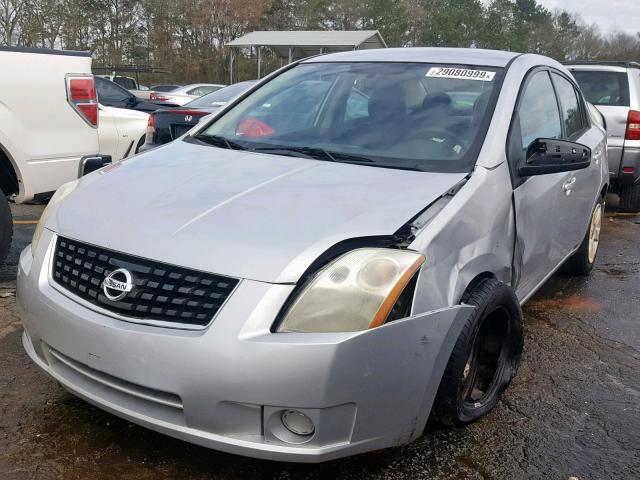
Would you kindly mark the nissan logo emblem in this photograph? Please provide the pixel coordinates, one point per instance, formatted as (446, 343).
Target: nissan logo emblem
(117, 284)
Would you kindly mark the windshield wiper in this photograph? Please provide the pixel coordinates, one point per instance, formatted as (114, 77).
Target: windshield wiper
(304, 152)
(351, 158)
(308, 152)
(317, 153)
(219, 141)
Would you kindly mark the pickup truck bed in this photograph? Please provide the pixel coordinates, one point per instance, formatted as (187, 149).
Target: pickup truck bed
(43, 132)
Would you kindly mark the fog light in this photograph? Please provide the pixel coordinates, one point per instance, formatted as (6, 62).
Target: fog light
(297, 422)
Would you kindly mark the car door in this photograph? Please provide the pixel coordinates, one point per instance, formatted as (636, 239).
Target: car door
(108, 135)
(580, 187)
(541, 207)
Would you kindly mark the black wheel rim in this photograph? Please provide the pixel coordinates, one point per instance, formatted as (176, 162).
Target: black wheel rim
(485, 363)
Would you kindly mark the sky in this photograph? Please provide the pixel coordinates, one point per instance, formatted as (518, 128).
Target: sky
(621, 15)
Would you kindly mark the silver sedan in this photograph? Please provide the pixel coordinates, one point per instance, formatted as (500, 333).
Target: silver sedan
(336, 255)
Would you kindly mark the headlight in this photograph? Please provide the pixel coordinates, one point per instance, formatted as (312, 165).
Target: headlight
(60, 194)
(354, 292)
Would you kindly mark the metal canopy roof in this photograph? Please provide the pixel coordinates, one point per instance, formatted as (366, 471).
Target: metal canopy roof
(300, 44)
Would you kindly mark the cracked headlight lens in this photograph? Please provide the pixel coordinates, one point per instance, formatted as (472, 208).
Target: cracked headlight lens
(356, 291)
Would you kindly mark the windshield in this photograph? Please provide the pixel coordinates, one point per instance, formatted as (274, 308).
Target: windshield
(413, 116)
(222, 96)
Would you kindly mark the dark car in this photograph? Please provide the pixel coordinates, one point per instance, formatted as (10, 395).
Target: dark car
(113, 95)
(166, 125)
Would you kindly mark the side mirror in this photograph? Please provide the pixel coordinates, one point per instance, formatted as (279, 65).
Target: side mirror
(91, 163)
(549, 155)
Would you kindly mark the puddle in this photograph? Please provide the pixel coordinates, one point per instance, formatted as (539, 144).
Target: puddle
(615, 272)
(572, 303)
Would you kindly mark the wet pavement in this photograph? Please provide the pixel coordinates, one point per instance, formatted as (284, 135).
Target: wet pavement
(572, 411)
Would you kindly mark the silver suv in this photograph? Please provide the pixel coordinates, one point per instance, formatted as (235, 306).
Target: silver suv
(614, 87)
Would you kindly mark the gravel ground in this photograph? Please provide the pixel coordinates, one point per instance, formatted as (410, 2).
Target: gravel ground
(572, 411)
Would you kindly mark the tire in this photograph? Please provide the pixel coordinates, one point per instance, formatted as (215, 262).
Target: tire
(630, 198)
(6, 227)
(582, 262)
(485, 357)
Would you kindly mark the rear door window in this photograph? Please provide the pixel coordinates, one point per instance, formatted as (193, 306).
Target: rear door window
(203, 90)
(604, 88)
(125, 82)
(572, 116)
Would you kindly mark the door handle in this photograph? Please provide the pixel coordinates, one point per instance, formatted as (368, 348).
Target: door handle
(568, 185)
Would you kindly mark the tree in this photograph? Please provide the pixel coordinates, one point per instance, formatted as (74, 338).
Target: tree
(452, 23)
(42, 26)
(188, 37)
(11, 12)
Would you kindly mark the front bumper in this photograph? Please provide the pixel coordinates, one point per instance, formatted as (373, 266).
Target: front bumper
(224, 387)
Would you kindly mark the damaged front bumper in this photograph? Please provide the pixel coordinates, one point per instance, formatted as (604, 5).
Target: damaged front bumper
(225, 387)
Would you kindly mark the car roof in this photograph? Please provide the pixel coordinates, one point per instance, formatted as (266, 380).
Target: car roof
(463, 56)
(602, 64)
(191, 85)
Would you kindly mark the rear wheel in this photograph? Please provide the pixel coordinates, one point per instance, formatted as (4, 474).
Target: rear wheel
(582, 262)
(630, 198)
(485, 358)
(6, 227)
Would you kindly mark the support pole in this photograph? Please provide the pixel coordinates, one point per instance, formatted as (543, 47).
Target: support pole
(259, 61)
(290, 55)
(231, 67)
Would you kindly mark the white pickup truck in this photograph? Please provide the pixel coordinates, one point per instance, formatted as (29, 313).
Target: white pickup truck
(48, 123)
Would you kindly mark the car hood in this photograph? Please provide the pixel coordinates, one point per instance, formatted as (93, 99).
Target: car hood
(247, 215)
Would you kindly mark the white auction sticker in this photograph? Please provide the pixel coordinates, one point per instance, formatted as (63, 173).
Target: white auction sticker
(461, 73)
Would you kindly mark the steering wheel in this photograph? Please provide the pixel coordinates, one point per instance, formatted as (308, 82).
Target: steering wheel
(448, 139)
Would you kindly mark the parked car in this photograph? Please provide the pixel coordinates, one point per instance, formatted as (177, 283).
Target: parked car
(164, 88)
(113, 95)
(121, 131)
(323, 275)
(614, 88)
(130, 84)
(183, 95)
(42, 140)
(167, 125)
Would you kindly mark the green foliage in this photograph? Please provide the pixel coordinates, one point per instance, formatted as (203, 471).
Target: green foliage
(187, 37)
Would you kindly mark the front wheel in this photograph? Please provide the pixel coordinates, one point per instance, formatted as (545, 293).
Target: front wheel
(485, 358)
(6, 227)
(582, 262)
